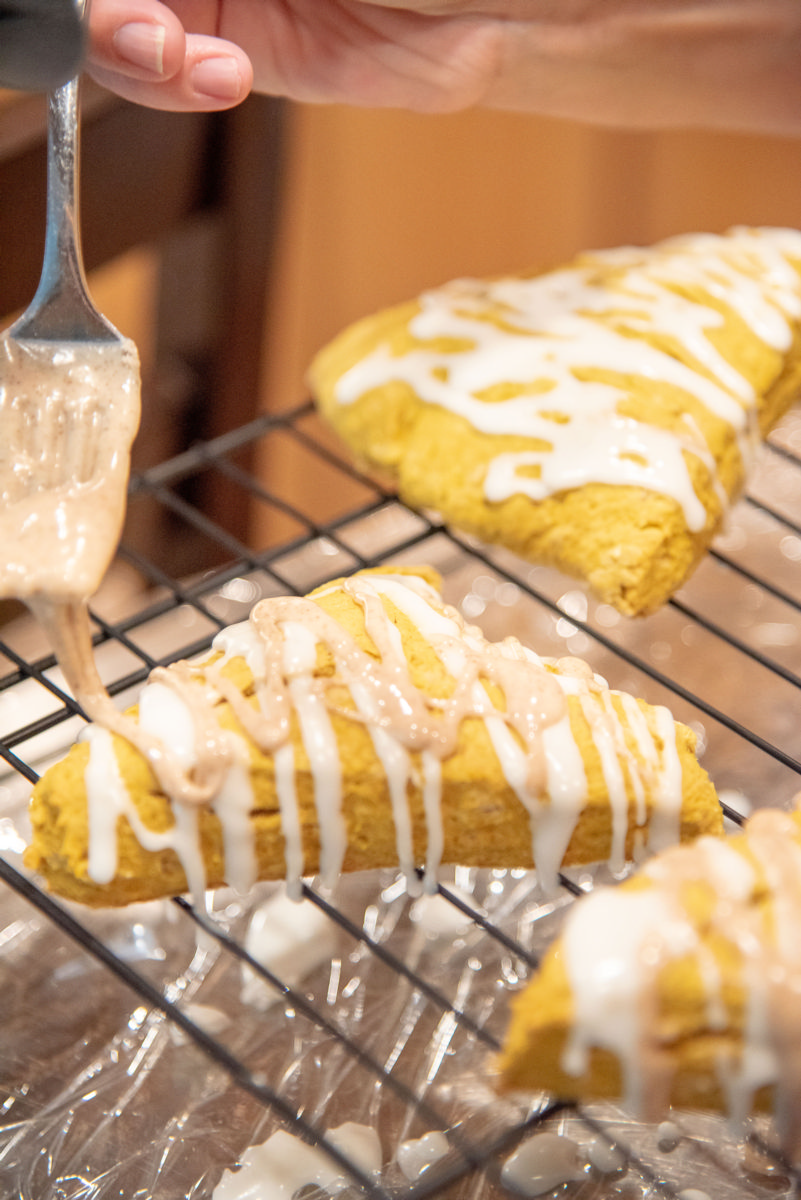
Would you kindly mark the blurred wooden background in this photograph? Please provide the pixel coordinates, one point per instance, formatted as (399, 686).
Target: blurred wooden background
(381, 204)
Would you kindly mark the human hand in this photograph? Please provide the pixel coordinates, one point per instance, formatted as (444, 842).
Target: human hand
(732, 64)
(207, 54)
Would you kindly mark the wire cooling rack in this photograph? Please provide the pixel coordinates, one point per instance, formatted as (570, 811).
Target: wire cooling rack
(143, 1052)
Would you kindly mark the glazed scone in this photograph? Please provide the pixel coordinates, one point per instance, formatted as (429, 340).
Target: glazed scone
(599, 418)
(364, 726)
(678, 987)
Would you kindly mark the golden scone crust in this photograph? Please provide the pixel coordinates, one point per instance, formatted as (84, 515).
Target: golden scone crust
(705, 1001)
(421, 394)
(481, 819)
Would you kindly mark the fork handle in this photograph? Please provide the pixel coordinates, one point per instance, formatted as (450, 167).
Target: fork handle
(61, 309)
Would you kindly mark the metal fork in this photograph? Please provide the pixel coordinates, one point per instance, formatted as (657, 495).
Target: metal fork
(69, 411)
(61, 309)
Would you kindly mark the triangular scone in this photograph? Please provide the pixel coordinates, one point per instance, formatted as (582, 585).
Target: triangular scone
(680, 986)
(364, 726)
(599, 418)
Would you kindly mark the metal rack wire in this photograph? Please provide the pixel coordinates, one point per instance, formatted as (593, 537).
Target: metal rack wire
(725, 655)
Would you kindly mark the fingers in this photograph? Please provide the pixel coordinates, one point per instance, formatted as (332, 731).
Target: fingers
(139, 49)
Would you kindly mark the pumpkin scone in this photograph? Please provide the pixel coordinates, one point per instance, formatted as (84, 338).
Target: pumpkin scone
(600, 418)
(678, 987)
(363, 726)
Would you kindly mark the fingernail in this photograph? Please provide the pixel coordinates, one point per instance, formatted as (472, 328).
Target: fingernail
(218, 78)
(141, 44)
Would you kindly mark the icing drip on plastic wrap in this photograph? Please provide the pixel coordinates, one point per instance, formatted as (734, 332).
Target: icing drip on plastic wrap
(521, 699)
(617, 942)
(543, 1163)
(541, 338)
(283, 1165)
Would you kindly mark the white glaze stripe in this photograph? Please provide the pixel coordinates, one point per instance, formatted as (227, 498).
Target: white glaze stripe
(537, 335)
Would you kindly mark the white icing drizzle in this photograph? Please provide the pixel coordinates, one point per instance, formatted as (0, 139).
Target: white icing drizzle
(552, 823)
(541, 1163)
(326, 768)
(605, 944)
(417, 1155)
(711, 978)
(567, 787)
(606, 1157)
(235, 802)
(290, 938)
(397, 764)
(666, 819)
(436, 915)
(432, 794)
(608, 745)
(412, 734)
(668, 1136)
(539, 334)
(645, 745)
(106, 798)
(616, 942)
(282, 1165)
(284, 763)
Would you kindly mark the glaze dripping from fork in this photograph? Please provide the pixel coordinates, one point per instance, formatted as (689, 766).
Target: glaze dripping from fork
(69, 411)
